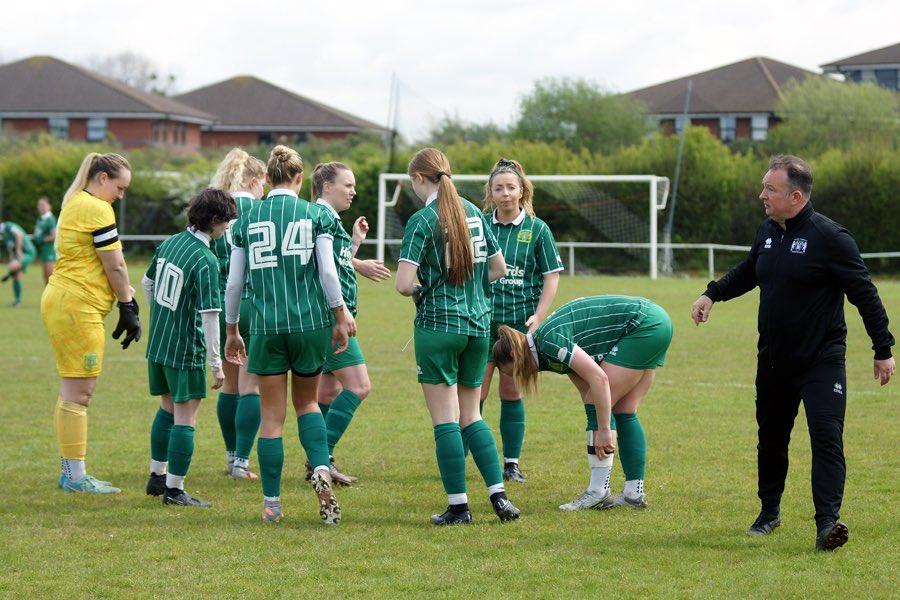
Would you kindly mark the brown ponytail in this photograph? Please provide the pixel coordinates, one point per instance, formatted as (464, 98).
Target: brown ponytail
(509, 166)
(434, 166)
(512, 349)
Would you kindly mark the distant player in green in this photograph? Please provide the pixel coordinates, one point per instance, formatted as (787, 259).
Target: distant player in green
(286, 246)
(610, 347)
(522, 297)
(44, 237)
(449, 246)
(20, 252)
(243, 176)
(345, 378)
(182, 284)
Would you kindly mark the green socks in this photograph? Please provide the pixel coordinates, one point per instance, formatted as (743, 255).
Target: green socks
(226, 408)
(632, 445)
(246, 424)
(270, 453)
(314, 439)
(324, 408)
(181, 449)
(512, 427)
(451, 460)
(339, 417)
(159, 435)
(17, 290)
(480, 442)
(590, 411)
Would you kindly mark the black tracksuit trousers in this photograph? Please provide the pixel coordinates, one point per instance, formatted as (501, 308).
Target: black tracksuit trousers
(823, 389)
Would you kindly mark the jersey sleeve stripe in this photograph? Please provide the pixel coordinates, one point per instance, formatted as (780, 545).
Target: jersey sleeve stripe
(106, 236)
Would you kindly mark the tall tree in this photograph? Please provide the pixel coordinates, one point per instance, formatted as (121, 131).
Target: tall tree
(453, 129)
(580, 115)
(135, 70)
(821, 113)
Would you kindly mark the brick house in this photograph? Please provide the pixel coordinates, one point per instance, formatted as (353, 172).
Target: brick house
(736, 101)
(881, 66)
(43, 93)
(252, 111)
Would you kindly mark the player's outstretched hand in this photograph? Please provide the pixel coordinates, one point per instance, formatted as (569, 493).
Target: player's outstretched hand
(235, 352)
(373, 269)
(129, 323)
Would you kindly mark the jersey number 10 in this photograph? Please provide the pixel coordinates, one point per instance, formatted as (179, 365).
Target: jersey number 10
(297, 241)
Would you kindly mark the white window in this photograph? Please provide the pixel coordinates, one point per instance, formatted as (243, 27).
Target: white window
(759, 128)
(96, 129)
(727, 128)
(59, 126)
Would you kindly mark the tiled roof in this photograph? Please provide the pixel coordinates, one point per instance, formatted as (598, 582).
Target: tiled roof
(753, 85)
(889, 55)
(246, 102)
(43, 84)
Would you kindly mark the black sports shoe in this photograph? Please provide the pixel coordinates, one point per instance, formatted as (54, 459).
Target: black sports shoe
(505, 509)
(451, 518)
(765, 523)
(182, 498)
(832, 536)
(156, 485)
(511, 472)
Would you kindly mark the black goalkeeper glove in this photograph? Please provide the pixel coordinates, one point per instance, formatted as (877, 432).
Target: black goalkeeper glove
(129, 323)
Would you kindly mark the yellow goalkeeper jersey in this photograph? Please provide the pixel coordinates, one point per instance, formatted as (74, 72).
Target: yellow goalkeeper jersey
(87, 225)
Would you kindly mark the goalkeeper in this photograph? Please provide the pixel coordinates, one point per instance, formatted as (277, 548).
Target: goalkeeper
(90, 275)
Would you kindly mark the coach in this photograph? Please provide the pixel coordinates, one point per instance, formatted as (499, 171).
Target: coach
(803, 263)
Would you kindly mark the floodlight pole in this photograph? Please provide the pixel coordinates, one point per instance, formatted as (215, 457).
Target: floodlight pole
(667, 236)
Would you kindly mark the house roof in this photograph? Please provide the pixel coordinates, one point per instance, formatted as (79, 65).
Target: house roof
(753, 85)
(249, 103)
(889, 55)
(42, 84)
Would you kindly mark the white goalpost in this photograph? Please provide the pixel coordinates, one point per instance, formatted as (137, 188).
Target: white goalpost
(621, 223)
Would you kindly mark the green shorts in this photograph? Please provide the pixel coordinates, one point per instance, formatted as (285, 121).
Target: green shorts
(243, 325)
(646, 346)
(350, 357)
(448, 358)
(495, 326)
(182, 384)
(301, 353)
(27, 258)
(47, 253)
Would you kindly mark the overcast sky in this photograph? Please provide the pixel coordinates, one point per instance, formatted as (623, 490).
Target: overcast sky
(471, 58)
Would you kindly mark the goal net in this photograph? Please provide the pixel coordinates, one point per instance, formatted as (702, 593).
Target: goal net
(610, 219)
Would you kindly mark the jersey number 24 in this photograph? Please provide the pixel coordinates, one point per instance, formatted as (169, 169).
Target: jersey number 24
(297, 241)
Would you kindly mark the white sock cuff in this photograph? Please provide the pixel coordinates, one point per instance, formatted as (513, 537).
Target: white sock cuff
(457, 498)
(497, 487)
(175, 481)
(594, 462)
(241, 462)
(515, 461)
(158, 467)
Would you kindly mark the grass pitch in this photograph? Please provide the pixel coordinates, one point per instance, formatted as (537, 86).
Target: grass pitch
(701, 481)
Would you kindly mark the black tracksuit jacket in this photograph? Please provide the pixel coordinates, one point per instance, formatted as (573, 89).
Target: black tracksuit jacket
(803, 272)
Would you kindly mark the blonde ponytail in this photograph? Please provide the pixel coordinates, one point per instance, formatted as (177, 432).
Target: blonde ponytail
(512, 349)
(93, 164)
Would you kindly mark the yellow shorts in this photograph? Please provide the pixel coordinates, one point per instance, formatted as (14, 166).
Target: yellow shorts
(76, 333)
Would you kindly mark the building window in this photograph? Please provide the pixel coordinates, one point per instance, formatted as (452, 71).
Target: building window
(679, 124)
(182, 129)
(59, 126)
(886, 78)
(727, 128)
(300, 137)
(853, 76)
(759, 128)
(96, 129)
(265, 137)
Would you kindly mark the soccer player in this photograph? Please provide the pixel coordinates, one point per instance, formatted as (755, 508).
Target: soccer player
(21, 252)
(610, 347)
(182, 284)
(522, 297)
(243, 176)
(286, 246)
(449, 246)
(90, 274)
(345, 379)
(44, 236)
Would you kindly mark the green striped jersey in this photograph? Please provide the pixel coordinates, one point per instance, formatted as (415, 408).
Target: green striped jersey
(343, 260)
(43, 227)
(185, 276)
(530, 253)
(278, 236)
(9, 239)
(222, 246)
(595, 324)
(465, 309)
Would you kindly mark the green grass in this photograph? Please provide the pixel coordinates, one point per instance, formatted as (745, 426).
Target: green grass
(701, 479)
